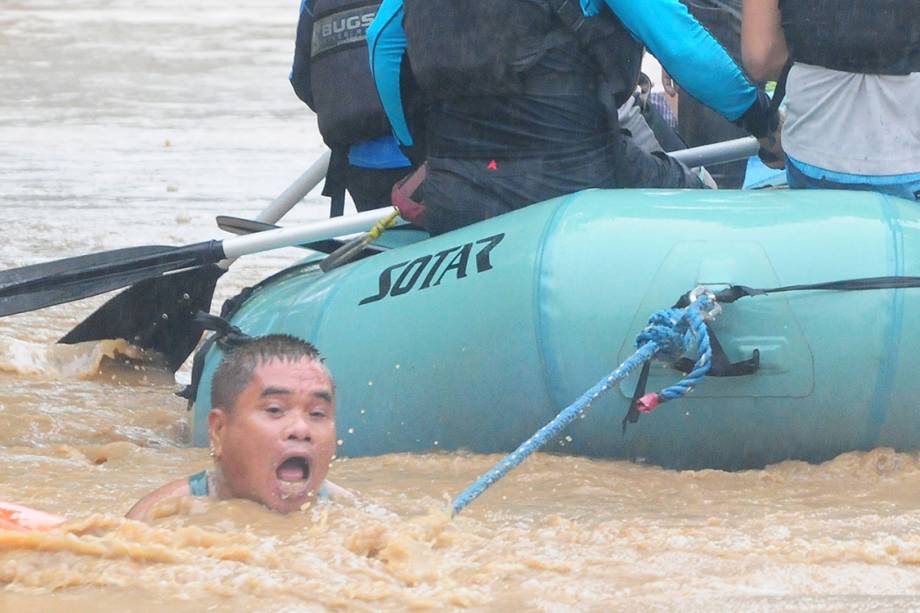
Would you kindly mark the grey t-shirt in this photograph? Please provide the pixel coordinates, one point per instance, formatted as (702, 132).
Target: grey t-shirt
(853, 123)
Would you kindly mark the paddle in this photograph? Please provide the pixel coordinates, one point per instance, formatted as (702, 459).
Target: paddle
(243, 226)
(157, 313)
(40, 285)
(240, 225)
(717, 153)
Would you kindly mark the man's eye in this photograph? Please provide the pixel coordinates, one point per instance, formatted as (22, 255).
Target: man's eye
(317, 413)
(274, 410)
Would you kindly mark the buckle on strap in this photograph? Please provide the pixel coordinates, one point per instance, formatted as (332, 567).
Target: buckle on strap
(569, 12)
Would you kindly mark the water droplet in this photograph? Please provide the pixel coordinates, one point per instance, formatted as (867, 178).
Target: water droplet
(351, 430)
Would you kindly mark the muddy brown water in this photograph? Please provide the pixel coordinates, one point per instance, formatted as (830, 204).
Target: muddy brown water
(124, 124)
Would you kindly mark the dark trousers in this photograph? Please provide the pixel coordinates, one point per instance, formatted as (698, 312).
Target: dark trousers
(370, 187)
(457, 193)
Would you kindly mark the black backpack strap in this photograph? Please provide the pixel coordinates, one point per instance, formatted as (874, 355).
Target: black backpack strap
(780, 92)
(336, 179)
(570, 13)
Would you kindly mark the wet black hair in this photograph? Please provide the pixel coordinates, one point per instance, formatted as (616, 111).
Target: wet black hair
(242, 358)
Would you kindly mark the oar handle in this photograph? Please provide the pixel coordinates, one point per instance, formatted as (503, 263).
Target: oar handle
(718, 153)
(296, 191)
(295, 235)
(291, 196)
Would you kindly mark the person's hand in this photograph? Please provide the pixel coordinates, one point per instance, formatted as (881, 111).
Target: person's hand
(771, 146)
(668, 83)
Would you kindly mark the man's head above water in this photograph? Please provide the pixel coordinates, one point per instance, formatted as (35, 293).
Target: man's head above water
(237, 367)
(272, 423)
(271, 427)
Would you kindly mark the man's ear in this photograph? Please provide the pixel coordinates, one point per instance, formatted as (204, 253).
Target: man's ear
(217, 422)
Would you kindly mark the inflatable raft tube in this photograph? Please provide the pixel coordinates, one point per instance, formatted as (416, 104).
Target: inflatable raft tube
(476, 338)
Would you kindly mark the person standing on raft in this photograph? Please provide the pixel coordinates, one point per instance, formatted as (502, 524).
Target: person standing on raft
(513, 111)
(330, 75)
(852, 79)
(271, 429)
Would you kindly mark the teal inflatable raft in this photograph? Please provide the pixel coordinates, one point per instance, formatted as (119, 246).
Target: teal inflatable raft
(475, 339)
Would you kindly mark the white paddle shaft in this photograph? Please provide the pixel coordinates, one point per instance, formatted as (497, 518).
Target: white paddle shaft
(297, 191)
(295, 235)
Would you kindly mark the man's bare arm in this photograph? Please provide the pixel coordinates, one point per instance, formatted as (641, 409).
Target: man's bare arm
(763, 44)
(170, 490)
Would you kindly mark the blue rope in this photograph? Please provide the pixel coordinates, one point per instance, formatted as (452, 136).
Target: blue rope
(703, 363)
(668, 332)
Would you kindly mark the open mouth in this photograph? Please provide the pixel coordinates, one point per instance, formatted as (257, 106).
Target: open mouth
(294, 470)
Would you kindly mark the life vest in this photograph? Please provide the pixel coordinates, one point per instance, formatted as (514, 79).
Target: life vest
(345, 98)
(494, 47)
(865, 36)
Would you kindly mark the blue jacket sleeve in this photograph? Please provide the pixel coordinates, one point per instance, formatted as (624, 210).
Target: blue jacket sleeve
(687, 51)
(386, 41)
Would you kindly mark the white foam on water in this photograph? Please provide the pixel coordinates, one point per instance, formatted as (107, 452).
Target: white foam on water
(81, 360)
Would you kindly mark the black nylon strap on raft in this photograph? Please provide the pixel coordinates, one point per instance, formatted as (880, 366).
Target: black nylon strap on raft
(734, 292)
(225, 335)
(632, 414)
(721, 365)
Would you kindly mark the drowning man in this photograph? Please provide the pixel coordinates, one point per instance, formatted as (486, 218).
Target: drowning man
(271, 429)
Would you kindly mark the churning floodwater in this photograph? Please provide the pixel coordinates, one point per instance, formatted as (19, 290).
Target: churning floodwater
(125, 123)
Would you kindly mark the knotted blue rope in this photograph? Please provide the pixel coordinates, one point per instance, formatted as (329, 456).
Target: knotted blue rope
(670, 333)
(689, 324)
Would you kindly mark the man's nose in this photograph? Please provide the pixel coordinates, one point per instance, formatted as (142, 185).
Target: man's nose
(298, 429)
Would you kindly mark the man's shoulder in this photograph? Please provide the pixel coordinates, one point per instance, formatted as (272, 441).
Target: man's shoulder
(179, 487)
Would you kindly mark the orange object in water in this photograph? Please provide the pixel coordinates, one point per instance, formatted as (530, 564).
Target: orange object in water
(18, 517)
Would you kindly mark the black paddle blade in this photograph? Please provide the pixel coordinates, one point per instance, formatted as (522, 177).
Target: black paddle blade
(40, 285)
(155, 314)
